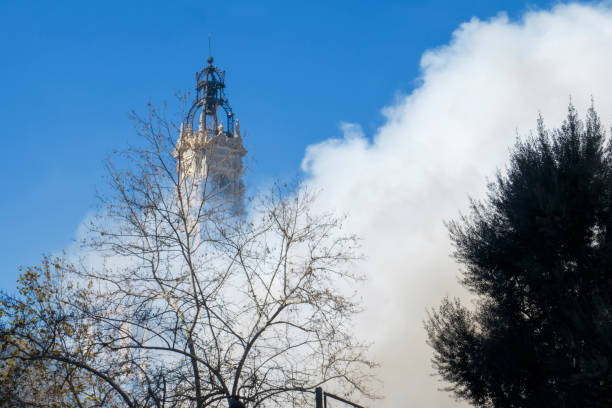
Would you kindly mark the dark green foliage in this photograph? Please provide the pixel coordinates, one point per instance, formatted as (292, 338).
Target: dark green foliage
(537, 253)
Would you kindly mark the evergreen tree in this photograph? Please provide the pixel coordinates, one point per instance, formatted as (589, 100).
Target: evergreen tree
(537, 255)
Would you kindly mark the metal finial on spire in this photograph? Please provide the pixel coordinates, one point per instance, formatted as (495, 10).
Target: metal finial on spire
(210, 59)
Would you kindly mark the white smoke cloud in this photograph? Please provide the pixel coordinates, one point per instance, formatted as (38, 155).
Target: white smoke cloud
(438, 145)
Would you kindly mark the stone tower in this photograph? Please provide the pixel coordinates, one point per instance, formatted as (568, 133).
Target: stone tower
(209, 152)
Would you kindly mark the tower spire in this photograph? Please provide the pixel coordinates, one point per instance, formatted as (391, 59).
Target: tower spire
(209, 48)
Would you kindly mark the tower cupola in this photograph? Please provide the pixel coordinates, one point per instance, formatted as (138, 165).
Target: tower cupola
(211, 101)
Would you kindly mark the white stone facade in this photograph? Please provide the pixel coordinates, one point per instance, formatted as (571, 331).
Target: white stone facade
(213, 157)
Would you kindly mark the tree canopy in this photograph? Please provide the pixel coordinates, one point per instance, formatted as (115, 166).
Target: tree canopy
(537, 256)
(181, 301)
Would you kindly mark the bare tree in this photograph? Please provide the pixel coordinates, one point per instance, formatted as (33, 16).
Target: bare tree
(47, 351)
(197, 305)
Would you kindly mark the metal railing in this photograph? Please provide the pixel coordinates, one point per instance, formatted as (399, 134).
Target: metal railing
(321, 399)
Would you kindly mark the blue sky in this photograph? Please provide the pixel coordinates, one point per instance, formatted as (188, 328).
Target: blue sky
(72, 71)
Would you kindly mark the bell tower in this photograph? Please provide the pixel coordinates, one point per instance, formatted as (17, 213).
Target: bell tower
(210, 151)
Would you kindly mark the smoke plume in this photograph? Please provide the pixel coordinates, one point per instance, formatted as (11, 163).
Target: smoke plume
(437, 147)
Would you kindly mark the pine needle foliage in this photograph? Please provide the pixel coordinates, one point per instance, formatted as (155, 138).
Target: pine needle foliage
(537, 255)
